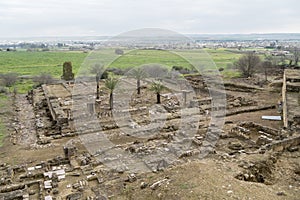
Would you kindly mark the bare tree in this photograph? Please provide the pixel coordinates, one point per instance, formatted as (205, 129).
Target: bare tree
(9, 79)
(265, 68)
(266, 65)
(155, 70)
(296, 55)
(43, 78)
(282, 59)
(248, 64)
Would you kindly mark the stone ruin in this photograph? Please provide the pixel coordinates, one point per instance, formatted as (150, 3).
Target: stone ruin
(90, 178)
(290, 98)
(68, 75)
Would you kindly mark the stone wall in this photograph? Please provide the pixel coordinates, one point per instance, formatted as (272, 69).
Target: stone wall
(284, 106)
(290, 96)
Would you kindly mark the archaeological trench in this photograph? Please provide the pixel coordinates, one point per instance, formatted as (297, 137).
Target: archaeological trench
(59, 150)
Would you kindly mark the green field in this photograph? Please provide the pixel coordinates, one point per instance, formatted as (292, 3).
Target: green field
(140, 57)
(35, 63)
(135, 58)
(223, 57)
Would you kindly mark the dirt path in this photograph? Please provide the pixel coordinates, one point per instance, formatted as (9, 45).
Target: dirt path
(26, 121)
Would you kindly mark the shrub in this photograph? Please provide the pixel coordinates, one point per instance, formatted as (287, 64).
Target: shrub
(116, 71)
(3, 90)
(9, 79)
(155, 70)
(43, 78)
(119, 52)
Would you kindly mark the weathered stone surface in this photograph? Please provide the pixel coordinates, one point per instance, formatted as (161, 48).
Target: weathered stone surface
(68, 75)
(74, 196)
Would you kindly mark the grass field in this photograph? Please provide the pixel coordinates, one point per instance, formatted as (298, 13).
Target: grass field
(35, 63)
(222, 57)
(140, 57)
(134, 58)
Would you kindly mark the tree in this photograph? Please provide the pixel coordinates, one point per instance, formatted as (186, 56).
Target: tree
(296, 55)
(157, 87)
(282, 60)
(156, 71)
(267, 64)
(99, 70)
(139, 74)
(43, 78)
(9, 79)
(111, 84)
(100, 73)
(247, 64)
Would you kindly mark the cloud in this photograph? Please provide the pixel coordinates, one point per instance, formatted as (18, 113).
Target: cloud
(106, 17)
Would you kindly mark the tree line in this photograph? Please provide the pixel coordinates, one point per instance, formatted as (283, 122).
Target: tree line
(250, 63)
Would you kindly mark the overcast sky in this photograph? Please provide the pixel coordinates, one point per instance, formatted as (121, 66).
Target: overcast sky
(25, 18)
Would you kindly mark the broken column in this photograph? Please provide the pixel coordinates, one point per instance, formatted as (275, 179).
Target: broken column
(68, 75)
(69, 151)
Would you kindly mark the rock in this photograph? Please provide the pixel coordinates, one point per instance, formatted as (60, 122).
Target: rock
(74, 196)
(143, 185)
(246, 177)
(186, 154)
(293, 149)
(76, 185)
(262, 140)
(31, 192)
(74, 174)
(160, 195)
(281, 193)
(43, 141)
(235, 146)
(131, 178)
(197, 142)
(55, 191)
(39, 123)
(157, 184)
